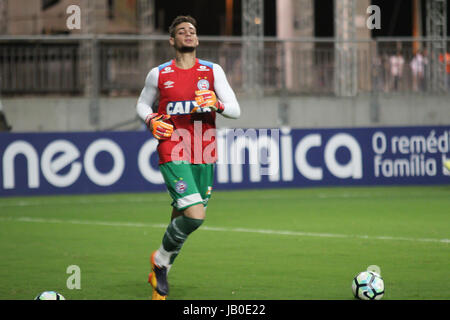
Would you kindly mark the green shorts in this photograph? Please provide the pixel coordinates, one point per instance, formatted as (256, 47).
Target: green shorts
(188, 184)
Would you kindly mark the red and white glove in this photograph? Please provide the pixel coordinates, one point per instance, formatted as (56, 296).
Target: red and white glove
(207, 99)
(159, 128)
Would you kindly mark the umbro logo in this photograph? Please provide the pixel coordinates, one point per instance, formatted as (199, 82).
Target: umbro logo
(167, 70)
(203, 68)
(168, 84)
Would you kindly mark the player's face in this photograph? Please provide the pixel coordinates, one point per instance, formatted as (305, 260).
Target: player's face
(185, 37)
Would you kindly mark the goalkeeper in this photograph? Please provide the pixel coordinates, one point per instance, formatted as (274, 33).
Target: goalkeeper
(191, 92)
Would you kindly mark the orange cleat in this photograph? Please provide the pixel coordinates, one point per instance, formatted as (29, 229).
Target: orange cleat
(158, 280)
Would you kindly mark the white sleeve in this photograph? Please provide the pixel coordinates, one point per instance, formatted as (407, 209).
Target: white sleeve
(148, 95)
(225, 94)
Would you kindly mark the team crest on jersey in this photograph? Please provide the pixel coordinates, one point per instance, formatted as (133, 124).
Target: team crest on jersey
(203, 84)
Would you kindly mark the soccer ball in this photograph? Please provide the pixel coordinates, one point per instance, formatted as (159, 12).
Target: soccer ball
(49, 295)
(368, 285)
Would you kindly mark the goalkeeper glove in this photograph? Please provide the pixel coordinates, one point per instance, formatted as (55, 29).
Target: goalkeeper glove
(207, 99)
(156, 124)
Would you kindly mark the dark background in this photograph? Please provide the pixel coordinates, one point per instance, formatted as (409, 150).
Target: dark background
(396, 16)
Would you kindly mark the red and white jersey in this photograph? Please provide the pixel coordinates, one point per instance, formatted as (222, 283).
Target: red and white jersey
(193, 139)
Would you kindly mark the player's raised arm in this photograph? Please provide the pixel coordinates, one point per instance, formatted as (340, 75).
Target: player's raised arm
(225, 94)
(148, 95)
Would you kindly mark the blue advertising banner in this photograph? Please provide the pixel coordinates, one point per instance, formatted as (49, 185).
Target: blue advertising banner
(87, 162)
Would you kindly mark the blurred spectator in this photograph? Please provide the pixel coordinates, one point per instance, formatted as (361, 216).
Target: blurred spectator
(447, 61)
(4, 126)
(418, 71)
(385, 72)
(426, 69)
(377, 73)
(396, 63)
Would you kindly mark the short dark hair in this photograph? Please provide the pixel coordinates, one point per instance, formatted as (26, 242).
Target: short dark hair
(181, 19)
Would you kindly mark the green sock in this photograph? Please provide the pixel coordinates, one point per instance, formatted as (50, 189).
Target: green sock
(177, 233)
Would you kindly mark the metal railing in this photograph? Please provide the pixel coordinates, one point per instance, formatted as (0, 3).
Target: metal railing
(52, 65)
(37, 68)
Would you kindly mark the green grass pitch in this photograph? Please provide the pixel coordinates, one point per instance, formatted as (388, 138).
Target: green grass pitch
(289, 244)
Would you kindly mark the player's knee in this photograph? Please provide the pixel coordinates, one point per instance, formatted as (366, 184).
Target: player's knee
(196, 212)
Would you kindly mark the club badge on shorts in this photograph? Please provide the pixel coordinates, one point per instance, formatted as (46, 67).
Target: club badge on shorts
(181, 186)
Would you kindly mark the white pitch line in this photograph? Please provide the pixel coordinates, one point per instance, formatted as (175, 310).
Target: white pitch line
(87, 201)
(221, 229)
(31, 203)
